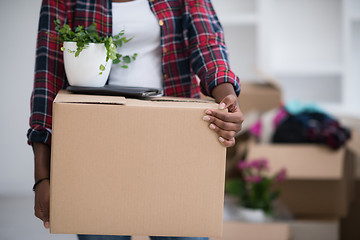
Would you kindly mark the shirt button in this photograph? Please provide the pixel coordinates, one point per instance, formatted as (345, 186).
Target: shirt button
(165, 75)
(161, 22)
(165, 50)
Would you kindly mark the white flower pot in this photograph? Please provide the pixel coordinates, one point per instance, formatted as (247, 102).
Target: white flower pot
(83, 70)
(253, 215)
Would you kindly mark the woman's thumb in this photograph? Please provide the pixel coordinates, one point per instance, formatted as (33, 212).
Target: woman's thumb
(226, 102)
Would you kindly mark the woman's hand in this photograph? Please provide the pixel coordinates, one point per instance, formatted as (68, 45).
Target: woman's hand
(42, 202)
(226, 124)
(42, 190)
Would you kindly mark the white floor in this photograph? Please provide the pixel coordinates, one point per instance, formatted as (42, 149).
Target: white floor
(17, 221)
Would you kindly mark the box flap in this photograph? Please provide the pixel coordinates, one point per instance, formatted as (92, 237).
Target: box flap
(302, 161)
(67, 97)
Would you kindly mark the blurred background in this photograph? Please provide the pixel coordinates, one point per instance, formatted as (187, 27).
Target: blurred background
(309, 49)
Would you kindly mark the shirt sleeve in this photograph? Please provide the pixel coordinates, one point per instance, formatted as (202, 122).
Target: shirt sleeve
(209, 56)
(49, 75)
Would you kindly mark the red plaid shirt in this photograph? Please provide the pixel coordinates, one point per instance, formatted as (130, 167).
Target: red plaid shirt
(192, 42)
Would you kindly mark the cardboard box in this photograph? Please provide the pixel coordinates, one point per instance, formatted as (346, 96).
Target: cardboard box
(133, 167)
(320, 180)
(315, 229)
(255, 231)
(354, 146)
(260, 97)
(250, 231)
(350, 224)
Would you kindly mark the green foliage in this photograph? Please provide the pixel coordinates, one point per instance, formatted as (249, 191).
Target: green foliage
(83, 36)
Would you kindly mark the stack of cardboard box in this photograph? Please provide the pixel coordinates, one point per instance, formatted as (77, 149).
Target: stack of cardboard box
(320, 183)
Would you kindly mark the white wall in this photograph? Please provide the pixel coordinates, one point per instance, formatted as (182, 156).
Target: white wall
(19, 20)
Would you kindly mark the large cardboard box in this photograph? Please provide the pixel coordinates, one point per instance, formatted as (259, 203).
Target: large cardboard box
(320, 180)
(255, 231)
(259, 96)
(134, 167)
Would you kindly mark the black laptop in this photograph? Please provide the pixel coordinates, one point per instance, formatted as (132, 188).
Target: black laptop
(113, 90)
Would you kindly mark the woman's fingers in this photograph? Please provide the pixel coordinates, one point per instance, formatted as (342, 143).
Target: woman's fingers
(225, 125)
(226, 134)
(227, 143)
(234, 117)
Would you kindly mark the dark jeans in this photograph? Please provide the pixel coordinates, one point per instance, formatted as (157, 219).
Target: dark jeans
(110, 237)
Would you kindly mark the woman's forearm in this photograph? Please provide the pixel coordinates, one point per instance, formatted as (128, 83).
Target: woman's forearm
(223, 90)
(41, 160)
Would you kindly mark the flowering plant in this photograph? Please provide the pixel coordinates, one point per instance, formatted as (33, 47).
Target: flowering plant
(256, 189)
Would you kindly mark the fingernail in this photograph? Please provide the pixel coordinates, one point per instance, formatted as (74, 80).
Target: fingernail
(222, 106)
(221, 139)
(206, 118)
(212, 126)
(208, 111)
(47, 225)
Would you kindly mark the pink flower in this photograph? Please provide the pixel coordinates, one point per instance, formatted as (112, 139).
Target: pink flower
(253, 179)
(281, 175)
(243, 165)
(256, 129)
(260, 164)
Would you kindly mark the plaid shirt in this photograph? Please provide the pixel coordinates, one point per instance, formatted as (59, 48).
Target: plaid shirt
(192, 42)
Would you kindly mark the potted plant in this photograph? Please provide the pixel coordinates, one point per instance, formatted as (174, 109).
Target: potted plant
(87, 54)
(255, 190)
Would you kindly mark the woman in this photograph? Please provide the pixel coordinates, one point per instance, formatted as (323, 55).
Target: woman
(178, 39)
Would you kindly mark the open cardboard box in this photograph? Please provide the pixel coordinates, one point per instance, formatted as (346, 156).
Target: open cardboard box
(320, 180)
(259, 96)
(134, 167)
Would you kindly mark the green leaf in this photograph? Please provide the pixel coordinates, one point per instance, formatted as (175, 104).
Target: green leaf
(92, 28)
(77, 53)
(102, 67)
(62, 48)
(126, 59)
(100, 73)
(116, 61)
(124, 66)
(134, 56)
